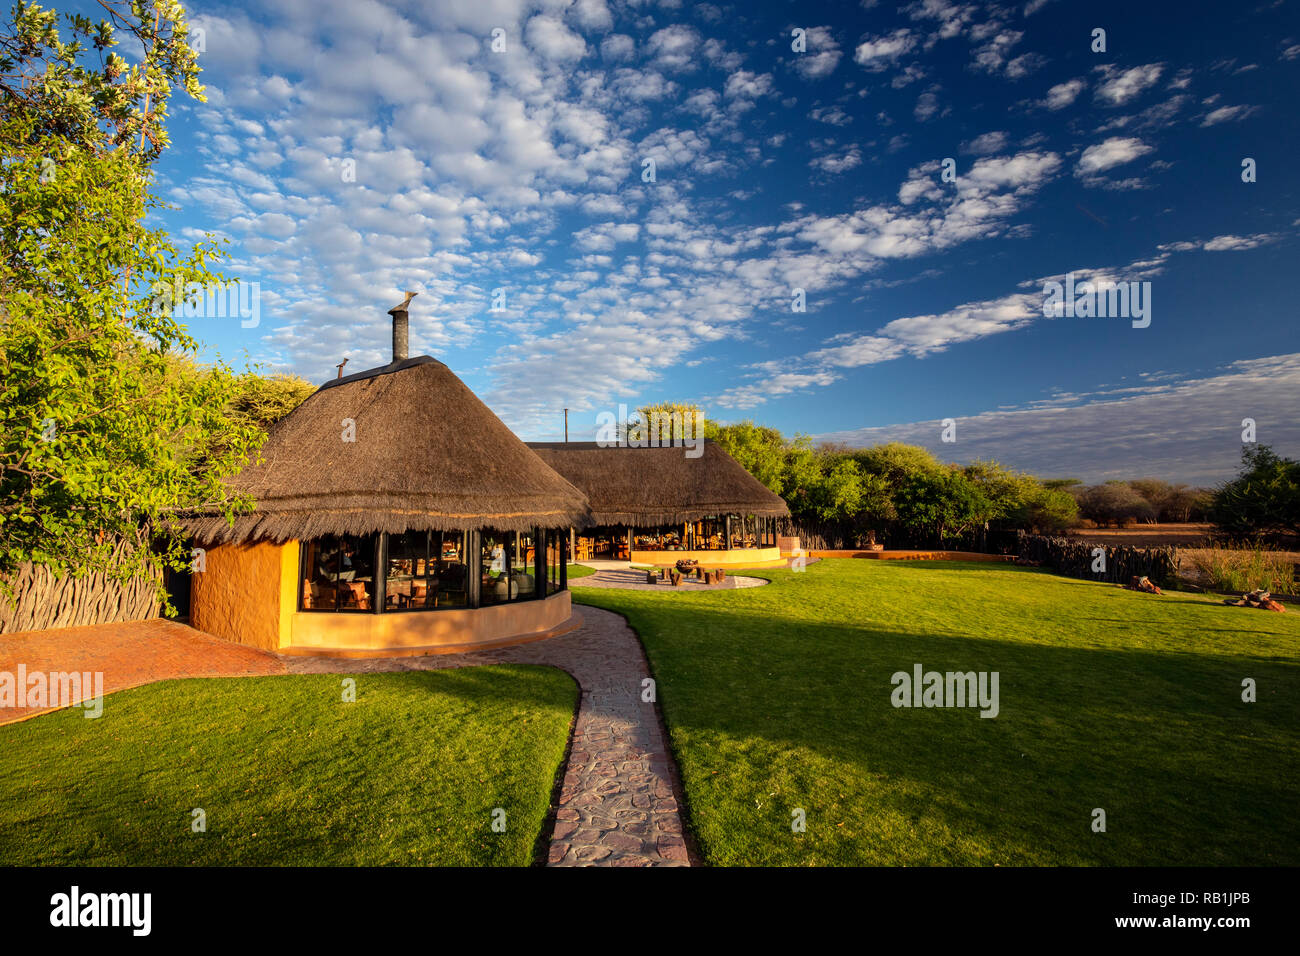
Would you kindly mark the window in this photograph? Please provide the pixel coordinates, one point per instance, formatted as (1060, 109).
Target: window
(425, 570)
(556, 572)
(507, 567)
(339, 573)
(428, 570)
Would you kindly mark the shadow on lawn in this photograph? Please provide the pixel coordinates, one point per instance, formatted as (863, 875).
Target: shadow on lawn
(1159, 737)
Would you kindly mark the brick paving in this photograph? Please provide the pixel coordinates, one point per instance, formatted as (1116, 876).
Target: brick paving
(128, 654)
(620, 793)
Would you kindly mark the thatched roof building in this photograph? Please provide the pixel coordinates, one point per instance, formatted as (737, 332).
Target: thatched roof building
(425, 454)
(646, 487)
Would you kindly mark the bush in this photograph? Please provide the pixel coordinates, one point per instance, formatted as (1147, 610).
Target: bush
(1263, 499)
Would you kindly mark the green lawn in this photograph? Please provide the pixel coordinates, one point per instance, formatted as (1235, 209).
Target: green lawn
(778, 698)
(289, 774)
(579, 571)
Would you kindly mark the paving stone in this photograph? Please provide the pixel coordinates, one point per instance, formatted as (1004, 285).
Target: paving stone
(623, 841)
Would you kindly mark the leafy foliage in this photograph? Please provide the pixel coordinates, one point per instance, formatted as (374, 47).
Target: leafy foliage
(1263, 499)
(895, 489)
(100, 435)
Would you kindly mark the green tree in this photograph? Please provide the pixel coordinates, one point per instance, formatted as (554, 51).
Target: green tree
(896, 461)
(1062, 484)
(671, 422)
(1264, 498)
(760, 450)
(100, 436)
(941, 505)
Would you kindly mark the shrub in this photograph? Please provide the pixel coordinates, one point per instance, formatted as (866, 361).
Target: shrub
(1243, 568)
(1263, 499)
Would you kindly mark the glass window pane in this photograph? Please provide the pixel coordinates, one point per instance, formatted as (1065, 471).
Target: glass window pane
(494, 568)
(319, 585)
(449, 586)
(408, 570)
(339, 574)
(523, 573)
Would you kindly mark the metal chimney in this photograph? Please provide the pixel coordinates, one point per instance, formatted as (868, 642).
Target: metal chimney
(401, 328)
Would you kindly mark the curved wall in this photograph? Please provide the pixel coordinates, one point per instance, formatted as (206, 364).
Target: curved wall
(248, 594)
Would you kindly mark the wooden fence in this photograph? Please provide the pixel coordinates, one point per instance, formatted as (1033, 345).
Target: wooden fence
(39, 599)
(1076, 559)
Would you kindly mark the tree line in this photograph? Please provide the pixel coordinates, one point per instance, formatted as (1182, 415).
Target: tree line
(902, 495)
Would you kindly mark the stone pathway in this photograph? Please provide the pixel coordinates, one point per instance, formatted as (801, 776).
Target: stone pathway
(620, 793)
(633, 580)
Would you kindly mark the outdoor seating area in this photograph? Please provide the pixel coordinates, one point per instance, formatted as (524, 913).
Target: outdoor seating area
(669, 580)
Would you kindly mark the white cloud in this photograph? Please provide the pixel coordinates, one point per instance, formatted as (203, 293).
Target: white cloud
(1237, 243)
(836, 163)
(746, 86)
(1110, 153)
(772, 386)
(1120, 86)
(618, 48)
(1227, 114)
(592, 15)
(553, 40)
(985, 143)
(674, 48)
(879, 53)
(1063, 94)
(821, 57)
(927, 105)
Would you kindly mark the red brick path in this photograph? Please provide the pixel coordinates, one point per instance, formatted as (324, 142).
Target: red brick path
(129, 654)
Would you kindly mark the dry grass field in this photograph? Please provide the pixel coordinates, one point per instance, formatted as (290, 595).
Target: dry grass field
(1202, 562)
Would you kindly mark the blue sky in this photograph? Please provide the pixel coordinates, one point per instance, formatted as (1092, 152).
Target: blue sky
(523, 170)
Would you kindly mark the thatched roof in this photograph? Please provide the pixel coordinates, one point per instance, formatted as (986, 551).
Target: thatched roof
(659, 486)
(428, 455)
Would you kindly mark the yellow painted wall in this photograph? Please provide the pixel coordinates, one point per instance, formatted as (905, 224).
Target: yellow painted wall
(736, 557)
(241, 593)
(448, 627)
(248, 594)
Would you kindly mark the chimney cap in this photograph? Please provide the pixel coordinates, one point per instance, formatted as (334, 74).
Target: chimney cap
(401, 307)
